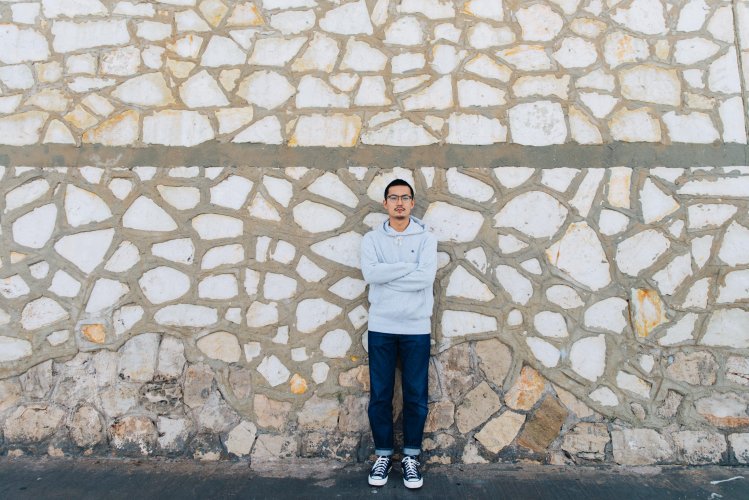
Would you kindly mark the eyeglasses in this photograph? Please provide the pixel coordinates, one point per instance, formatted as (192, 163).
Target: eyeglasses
(394, 198)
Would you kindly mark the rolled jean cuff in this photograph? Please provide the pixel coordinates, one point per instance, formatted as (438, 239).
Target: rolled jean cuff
(411, 451)
(383, 453)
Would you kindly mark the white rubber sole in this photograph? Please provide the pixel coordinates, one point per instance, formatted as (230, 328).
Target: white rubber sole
(412, 485)
(377, 482)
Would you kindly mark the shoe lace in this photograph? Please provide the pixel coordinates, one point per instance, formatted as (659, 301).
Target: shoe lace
(380, 466)
(410, 467)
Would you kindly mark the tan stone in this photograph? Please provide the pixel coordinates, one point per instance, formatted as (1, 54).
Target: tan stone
(298, 384)
(119, 130)
(357, 377)
(270, 413)
(700, 447)
(479, 404)
(271, 448)
(728, 410)
(32, 423)
(133, 434)
(670, 405)
(240, 380)
(96, 333)
(198, 385)
(495, 360)
(457, 376)
(640, 447)
(647, 311)
(353, 416)
(319, 414)
(526, 391)
(697, 368)
(240, 439)
(10, 393)
(573, 404)
(441, 416)
(543, 427)
(500, 431)
(86, 429)
(587, 440)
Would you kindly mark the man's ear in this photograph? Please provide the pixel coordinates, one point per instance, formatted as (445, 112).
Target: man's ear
(385, 204)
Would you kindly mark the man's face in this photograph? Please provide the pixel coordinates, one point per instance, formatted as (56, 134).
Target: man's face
(398, 209)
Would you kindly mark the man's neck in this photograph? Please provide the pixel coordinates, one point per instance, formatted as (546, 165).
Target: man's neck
(399, 225)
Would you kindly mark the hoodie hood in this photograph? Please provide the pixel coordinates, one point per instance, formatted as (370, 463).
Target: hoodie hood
(416, 226)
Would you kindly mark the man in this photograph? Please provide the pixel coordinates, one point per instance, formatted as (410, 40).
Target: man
(399, 261)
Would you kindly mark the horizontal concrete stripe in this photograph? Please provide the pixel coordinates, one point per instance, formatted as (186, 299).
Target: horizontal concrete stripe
(216, 154)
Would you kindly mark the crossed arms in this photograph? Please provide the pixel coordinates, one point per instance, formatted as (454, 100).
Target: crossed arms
(400, 276)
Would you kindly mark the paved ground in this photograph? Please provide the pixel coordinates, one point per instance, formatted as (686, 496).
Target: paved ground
(22, 478)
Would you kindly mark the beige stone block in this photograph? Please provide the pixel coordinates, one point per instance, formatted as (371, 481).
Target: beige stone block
(542, 428)
(478, 405)
(587, 440)
(526, 390)
(441, 416)
(500, 431)
(32, 423)
(120, 130)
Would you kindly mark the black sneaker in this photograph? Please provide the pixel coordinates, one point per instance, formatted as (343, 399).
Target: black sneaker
(378, 474)
(411, 475)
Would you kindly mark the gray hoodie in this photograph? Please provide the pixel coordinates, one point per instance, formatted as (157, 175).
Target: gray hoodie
(400, 270)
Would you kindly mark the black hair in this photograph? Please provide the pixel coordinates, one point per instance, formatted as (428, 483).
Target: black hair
(398, 182)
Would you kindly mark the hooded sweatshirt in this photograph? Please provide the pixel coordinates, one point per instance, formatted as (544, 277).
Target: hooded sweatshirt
(400, 270)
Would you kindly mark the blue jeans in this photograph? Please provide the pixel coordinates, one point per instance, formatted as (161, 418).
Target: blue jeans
(384, 349)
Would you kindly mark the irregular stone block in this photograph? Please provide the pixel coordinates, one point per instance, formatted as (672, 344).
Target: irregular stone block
(32, 423)
(478, 405)
(700, 447)
(526, 390)
(500, 431)
(543, 426)
(587, 440)
(441, 416)
(85, 427)
(640, 447)
(696, 368)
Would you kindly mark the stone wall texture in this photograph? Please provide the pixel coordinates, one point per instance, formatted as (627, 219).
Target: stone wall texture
(379, 72)
(584, 314)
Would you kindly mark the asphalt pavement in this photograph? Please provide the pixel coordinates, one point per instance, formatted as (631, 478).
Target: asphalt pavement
(88, 478)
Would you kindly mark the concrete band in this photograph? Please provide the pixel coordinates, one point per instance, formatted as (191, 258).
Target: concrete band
(217, 154)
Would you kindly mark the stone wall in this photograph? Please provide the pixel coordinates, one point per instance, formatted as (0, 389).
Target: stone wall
(377, 72)
(583, 314)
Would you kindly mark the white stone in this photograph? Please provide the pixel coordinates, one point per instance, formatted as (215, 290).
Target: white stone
(335, 344)
(372, 92)
(273, 371)
(39, 270)
(85, 250)
(698, 294)
(284, 252)
(637, 125)
(220, 255)
(576, 52)
(330, 186)
(727, 328)
(399, 133)
(125, 318)
(651, 84)
(145, 215)
(514, 283)
(120, 188)
(539, 23)
(611, 222)
(71, 36)
(452, 223)
(348, 19)
(588, 357)
(180, 250)
(231, 192)
(701, 250)
(223, 51)
(42, 312)
(703, 215)
(12, 349)
(732, 117)
(293, 22)
(512, 177)
(177, 128)
(579, 254)
(265, 131)
(358, 316)
(218, 287)
(526, 57)
(216, 226)
(487, 9)
(472, 93)
(598, 80)
(13, 287)
(320, 55)
(692, 16)
(534, 213)
(655, 203)
(464, 285)
(64, 285)
(483, 36)
(475, 130)
(721, 25)
(280, 189)
(604, 396)
(314, 92)
(694, 50)
(313, 313)
(508, 243)
(734, 250)
(564, 296)
(539, 123)
(163, 284)
(201, 90)
(58, 338)
(316, 218)
(180, 197)
(670, 277)
(485, 67)
(275, 51)
(232, 119)
(186, 315)
(736, 287)
(633, 384)
(320, 372)
(149, 90)
(309, 271)
(607, 315)
(546, 85)
(405, 30)
(550, 324)
(546, 353)
(723, 75)
(445, 58)
(403, 63)
(468, 187)
(360, 56)
(644, 16)
(35, 228)
(25, 193)
(262, 209)
(600, 105)
(692, 128)
(343, 249)
(348, 288)
(335, 130)
(105, 294)
(279, 287)
(640, 251)
(681, 331)
(460, 323)
(738, 187)
(259, 314)
(438, 95)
